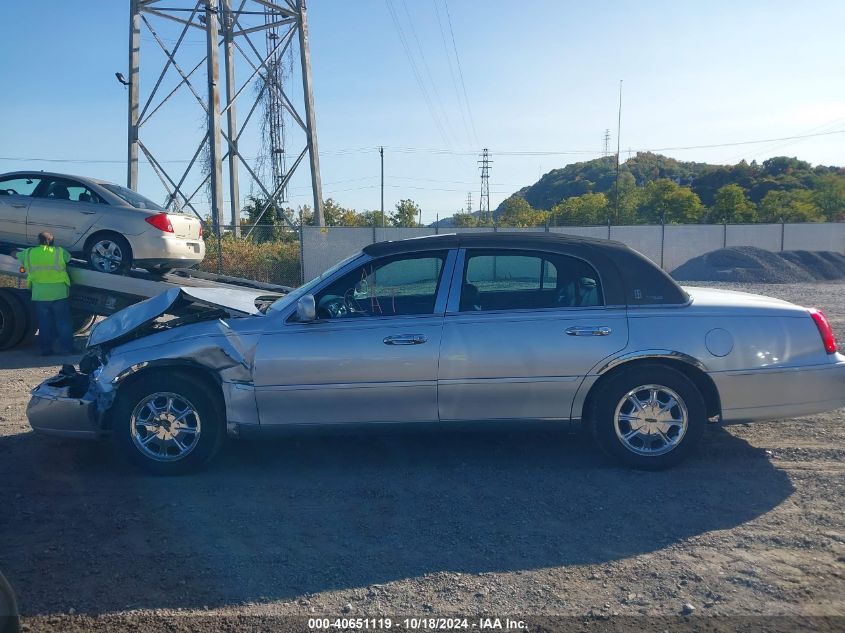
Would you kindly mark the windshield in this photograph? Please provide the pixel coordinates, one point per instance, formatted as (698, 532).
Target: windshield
(292, 297)
(133, 198)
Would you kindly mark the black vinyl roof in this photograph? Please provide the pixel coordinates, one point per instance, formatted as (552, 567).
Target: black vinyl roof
(628, 278)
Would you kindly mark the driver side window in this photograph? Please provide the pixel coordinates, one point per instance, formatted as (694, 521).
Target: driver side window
(393, 286)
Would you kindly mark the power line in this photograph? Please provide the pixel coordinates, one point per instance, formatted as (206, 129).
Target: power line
(416, 72)
(444, 113)
(452, 71)
(435, 150)
(460, 71)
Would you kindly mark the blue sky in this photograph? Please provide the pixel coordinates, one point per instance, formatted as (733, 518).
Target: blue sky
(541, 76)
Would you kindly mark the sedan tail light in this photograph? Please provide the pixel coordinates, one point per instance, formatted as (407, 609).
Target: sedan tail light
(826, 332)
(160, 221)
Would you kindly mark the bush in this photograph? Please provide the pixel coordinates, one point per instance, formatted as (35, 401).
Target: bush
(271, 262)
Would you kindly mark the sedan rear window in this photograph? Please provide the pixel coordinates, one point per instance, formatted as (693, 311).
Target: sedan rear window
(133, 198)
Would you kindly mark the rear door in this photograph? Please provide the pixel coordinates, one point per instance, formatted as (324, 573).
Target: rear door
(15, 198)
(64, 207)
(522, 329)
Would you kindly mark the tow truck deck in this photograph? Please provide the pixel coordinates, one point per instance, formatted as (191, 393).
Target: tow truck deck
(95, 294)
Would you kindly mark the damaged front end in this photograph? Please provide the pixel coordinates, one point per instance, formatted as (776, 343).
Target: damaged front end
(75, 402)
(65, 405)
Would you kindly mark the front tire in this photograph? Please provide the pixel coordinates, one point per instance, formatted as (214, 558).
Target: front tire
(169, 423)
(648, 417)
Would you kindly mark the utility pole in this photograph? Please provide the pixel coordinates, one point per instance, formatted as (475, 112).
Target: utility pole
(310, 117)
(215, 166)
(484, 202)
(231, 119)
(134, 85)
(618, 140)
(284, 22)
(381, 156)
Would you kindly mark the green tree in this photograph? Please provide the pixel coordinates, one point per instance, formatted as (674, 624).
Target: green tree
(590, 208)
(790, 206)
(271, 225)
(629, 201)
(517, 212)
(465, 220)
(732, 205)
(407, 212)
(829, 196)
(665, 200)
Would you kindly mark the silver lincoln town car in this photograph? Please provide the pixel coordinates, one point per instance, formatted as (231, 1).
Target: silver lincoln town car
(442, 331)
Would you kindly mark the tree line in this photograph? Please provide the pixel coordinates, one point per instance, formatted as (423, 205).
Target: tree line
(653, 188)
(650, 189)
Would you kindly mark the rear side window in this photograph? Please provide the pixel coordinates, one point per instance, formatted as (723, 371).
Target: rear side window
(132, 198)
(18, 186)
(507, 280)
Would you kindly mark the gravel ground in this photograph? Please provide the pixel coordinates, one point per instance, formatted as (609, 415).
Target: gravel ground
(526, 525)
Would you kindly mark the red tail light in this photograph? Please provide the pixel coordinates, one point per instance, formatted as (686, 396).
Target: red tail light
(160, 221)
(825, 330)
(200, 229)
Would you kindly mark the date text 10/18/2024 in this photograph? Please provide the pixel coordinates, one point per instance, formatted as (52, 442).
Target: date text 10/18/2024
(414, 624)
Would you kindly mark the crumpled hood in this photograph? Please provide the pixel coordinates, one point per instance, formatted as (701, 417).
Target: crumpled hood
(122, 323)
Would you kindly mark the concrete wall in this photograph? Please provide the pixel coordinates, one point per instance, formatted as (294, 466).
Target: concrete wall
(669, 246)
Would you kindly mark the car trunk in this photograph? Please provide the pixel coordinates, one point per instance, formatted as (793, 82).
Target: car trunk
(185, 226)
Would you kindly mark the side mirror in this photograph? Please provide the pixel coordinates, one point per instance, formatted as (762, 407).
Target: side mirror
(306, 309)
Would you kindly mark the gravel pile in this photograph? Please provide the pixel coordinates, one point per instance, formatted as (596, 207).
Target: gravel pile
(750, 264)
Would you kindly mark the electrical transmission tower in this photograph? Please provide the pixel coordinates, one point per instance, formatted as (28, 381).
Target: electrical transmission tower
(469, 201)
(607, 142)
(484, 201)
(193, 75)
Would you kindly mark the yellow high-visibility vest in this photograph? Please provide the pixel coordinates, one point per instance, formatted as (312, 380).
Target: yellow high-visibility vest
(45, 265)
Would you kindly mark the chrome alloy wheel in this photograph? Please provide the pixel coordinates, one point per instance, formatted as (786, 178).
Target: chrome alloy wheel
(106, 256)
(651, 420)
(165, 426)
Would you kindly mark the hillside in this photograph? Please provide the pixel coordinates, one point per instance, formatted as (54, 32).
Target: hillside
(653, 186)
(599, 175)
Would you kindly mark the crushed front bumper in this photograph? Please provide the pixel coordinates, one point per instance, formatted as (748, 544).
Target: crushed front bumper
(64, 406)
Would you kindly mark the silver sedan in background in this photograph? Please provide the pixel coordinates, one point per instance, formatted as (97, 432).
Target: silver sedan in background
(446, 331)
(113, 228)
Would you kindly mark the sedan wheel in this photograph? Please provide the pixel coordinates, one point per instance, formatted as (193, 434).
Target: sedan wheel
(169, 423)
(110, 254)
(165, 426)
(648, 416)
(651, 420)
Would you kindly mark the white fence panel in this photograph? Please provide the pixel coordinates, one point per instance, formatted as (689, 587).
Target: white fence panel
(814, 237)
(765, 236)
(682, 242)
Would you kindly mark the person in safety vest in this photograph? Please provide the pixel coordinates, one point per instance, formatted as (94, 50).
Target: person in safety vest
(46, 276)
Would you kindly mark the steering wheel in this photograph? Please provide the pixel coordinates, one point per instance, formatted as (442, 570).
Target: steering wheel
(11, 192)
(335, 308)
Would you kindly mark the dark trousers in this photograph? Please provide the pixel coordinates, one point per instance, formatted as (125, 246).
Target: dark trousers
(54, 323)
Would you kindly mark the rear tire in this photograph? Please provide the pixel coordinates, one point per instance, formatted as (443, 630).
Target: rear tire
(168, 423)
(81, 322)
(648, 417)
(15, 319)
(109, 253)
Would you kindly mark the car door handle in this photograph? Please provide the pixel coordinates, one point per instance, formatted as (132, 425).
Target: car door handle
(88, 212)
(588, 330)
(405, 339)
(18, 206)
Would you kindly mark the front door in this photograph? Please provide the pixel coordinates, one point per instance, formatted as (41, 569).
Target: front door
(66, 208)
(15, 196)
(522, 330)
(371, 356)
